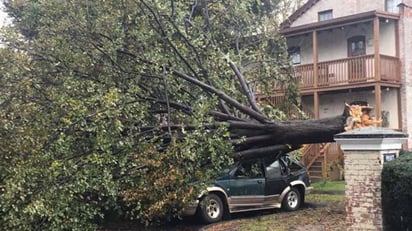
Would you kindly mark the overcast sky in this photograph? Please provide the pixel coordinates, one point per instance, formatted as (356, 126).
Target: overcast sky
(2, 15)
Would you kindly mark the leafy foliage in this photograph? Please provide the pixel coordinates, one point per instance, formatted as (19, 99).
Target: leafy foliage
(396, 193)
(107, 105)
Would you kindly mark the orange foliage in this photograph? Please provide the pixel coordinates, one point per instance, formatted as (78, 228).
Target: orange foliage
(359, 117)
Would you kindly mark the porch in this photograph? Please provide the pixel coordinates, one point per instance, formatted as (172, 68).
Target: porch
(347, 72)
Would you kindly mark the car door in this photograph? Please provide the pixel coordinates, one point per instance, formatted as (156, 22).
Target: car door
(276, 181)
(247, 186)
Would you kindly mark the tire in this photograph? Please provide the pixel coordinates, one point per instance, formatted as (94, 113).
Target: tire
(211, 209)
(292, 200)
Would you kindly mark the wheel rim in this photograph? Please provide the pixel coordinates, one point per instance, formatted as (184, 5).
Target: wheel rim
(213, 209)
(293, 199)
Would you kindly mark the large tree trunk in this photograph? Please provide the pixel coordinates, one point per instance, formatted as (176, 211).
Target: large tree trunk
(293, 132)
(252, 138)
(259, 135)
(285, 136)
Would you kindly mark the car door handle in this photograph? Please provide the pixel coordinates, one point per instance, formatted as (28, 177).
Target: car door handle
(259, 181)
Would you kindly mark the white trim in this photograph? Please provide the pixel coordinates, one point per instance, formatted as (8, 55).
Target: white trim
(370, 143)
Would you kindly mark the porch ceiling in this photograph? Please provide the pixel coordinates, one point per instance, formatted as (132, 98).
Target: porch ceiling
(337, 22)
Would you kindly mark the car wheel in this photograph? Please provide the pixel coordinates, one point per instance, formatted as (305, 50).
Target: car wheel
(292, 200)
(211, 209)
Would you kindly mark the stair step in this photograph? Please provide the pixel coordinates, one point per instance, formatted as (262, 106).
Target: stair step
(315, 168)
(315, 174)
(317, 163)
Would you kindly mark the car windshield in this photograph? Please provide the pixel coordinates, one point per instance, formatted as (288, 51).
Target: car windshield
(227, 169)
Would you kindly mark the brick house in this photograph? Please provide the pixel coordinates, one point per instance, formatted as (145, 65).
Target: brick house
(358, 50)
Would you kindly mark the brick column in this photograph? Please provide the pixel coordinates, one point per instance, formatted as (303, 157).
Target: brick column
(405, 46)
(365, 152)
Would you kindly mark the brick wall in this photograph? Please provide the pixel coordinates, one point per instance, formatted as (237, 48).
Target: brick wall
(363, 190)
(405, 46)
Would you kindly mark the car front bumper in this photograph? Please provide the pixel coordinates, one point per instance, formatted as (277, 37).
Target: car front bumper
(191, 208)
(308, 190)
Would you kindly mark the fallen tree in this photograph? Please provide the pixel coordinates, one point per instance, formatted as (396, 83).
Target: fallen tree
(117, 107)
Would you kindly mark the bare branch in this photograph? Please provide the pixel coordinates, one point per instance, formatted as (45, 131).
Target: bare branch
(167, 101)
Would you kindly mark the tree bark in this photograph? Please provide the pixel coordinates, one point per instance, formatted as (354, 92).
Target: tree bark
(252, 139)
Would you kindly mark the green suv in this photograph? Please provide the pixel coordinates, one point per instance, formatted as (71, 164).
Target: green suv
(254, 184)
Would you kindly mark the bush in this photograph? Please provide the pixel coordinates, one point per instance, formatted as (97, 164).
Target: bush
(397, 193)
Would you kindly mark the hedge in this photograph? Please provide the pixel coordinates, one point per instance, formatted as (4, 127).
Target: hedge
(397, 193)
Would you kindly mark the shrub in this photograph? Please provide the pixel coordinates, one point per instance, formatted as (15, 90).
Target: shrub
(397, 193)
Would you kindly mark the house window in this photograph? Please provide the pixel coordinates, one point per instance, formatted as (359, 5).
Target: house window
(392, 6)
(294, 55)
(325, 15)
(356, 46)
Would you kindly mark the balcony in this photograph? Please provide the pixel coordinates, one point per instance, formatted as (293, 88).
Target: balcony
(348, 72)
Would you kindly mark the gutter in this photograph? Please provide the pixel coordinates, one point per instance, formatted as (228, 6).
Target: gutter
(337, 22)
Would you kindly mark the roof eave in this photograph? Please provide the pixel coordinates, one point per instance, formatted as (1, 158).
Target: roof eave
(336, 22)
(298, 13)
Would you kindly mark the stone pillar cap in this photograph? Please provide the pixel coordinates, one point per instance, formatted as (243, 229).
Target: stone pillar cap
(371, 132)
(371, 138)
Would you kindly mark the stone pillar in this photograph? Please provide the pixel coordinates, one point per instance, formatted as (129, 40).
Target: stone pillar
(365, 152)
(405, 56)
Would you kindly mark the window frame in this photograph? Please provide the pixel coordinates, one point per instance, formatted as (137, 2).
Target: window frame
(392, 6)
(328, 14)
(356, 39)
(295, 55)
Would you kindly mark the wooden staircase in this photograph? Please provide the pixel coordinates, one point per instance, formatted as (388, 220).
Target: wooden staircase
(319, 158)
(316, 170)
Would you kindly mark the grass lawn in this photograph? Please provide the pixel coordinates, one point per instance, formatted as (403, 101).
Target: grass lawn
(338, 186)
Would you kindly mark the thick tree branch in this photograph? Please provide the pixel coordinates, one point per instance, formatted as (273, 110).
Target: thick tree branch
(199, 63)
(189, 111)
(264, 151)
(246, 89)
(167, 101)
(253, 114)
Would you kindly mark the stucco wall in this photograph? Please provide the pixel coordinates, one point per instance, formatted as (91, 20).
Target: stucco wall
(340, 9)
(387, 38)
(332, 44)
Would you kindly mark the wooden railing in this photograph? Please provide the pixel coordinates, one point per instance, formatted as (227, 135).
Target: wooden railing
(310, 153)
(304, 75)
(390, 69)
(329, 151)
(347, 71)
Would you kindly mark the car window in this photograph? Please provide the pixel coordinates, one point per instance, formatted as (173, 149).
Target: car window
(273, 169)
(250, 169)
(276, 168)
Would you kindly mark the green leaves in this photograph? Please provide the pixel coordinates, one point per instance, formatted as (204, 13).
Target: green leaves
(396, 178)
(96, 117)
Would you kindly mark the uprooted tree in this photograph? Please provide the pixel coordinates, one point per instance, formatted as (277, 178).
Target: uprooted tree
(117, 107)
